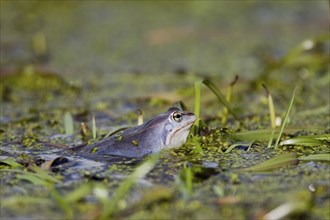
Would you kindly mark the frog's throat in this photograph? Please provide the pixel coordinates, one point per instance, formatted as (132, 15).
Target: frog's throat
(170, 137)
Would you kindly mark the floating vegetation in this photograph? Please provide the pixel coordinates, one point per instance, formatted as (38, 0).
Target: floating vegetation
(111, 204)
(197, 146)
(40, 83)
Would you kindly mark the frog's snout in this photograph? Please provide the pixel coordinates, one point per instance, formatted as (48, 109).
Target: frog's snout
(192, 116)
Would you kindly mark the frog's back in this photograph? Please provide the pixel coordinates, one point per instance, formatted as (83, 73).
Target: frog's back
(131, 143)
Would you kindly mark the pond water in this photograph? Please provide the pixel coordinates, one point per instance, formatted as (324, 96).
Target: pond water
(68, 63)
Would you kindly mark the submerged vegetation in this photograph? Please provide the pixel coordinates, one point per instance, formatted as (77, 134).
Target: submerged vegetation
(248, 156)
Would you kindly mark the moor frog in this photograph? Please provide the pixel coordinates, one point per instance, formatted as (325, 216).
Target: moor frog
(166, 130)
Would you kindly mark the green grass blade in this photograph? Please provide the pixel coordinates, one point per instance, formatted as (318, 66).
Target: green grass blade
(77, 193)
(11, 163)
(274, 163)
(24, 200)
(271, 107)
(39, 177)
(197, 98)
(285, 119)
(139, 117)
(197, 106)
(33, 179)
(271, 139)
(62, 203)
(184, 181)
(228, 99)
(93, 127)
(68, 123)
(316, 157)
(303, 141)
(229, 149)
(221, 98)
(188, 180)
(325, 137)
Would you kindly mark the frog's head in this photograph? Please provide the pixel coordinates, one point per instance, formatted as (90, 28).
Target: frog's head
(176, 127)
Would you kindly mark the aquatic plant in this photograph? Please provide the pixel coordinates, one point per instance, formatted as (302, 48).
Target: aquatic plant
(197, 106)
(221, 98)
(68, 123)
(285, 119)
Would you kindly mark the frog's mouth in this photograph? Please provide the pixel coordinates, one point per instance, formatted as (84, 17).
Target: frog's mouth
(184, 128)
(189, 124)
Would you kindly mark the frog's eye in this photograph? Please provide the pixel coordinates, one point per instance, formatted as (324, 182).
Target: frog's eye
(177, 116)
